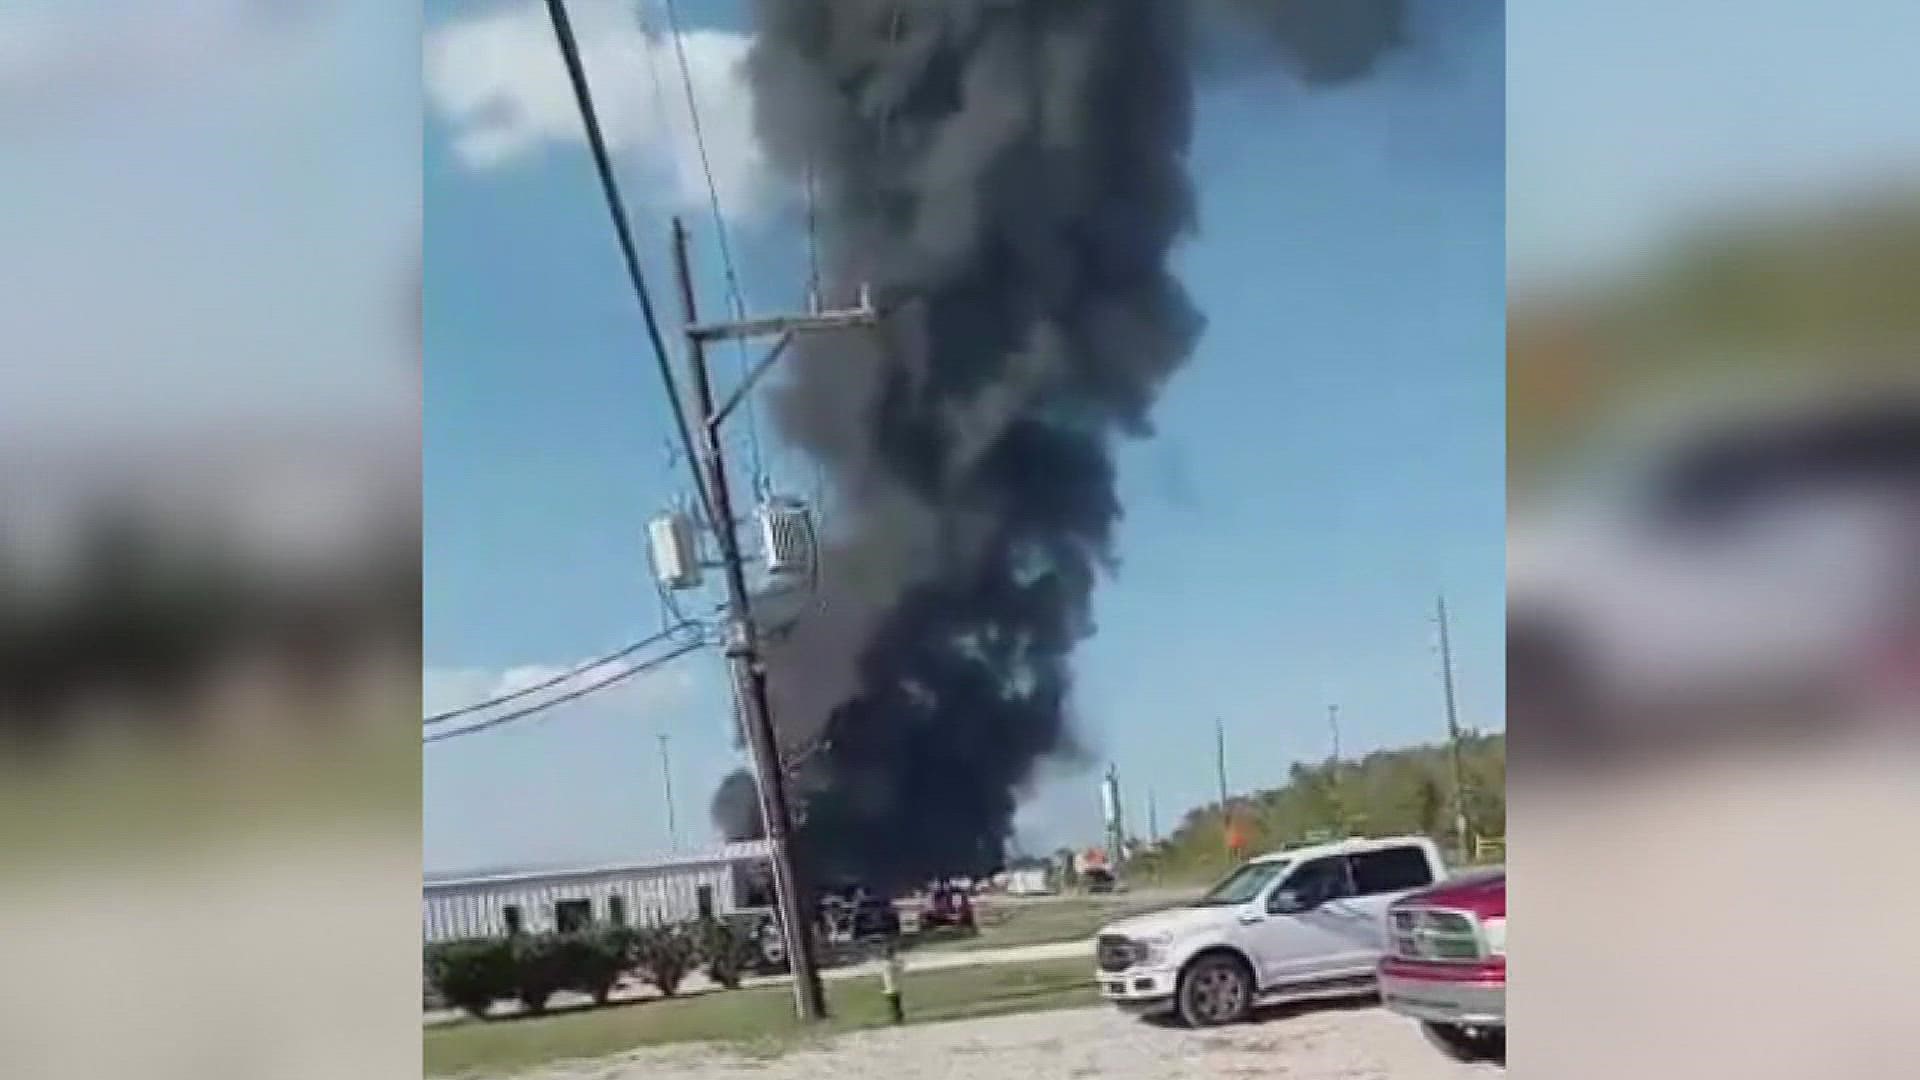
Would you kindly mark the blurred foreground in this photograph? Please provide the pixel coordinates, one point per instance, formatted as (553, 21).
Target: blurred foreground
(1714, 571)
(209, 554)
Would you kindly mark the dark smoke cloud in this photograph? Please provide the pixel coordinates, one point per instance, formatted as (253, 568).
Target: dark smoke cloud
(1324, 41)
(1010, 176)
(736, 808)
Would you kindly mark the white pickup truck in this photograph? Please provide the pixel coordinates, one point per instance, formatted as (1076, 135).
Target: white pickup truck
(1299, 924)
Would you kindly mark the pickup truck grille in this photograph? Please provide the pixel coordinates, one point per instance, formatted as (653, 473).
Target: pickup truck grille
(1114, 953)
(1431, 934)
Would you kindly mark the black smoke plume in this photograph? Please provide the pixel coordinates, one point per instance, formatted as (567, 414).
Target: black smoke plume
(1010, 177)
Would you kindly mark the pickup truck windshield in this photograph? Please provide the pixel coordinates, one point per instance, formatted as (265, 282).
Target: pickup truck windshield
(1243, 885)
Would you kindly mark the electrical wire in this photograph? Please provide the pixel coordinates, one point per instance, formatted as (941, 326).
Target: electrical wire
(603, 165)
(573, 695)
(736, 298)
(650, 34)
(618, 654)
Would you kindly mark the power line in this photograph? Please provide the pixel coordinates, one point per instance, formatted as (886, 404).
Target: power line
(603, 165)
(618, 654)
(575, 695)
(649, 34)
(735, 296)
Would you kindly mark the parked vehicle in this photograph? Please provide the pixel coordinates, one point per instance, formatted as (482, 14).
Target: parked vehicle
(1030, 881)
(1300, 924)
(1446, 964)
(947, 905)
(855, 913)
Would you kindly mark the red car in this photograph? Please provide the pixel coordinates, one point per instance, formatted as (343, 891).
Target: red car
(947, 905)
(1446, 964)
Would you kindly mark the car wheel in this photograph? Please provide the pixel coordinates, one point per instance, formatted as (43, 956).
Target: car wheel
(1469, 1044)
(1215, 990)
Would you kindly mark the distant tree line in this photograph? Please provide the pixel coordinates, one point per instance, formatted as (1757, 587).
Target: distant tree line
(1388, 792)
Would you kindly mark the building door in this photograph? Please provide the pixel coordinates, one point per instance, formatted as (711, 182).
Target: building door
(572, 916)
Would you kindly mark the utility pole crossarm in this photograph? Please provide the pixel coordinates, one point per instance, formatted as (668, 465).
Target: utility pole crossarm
(776, 325)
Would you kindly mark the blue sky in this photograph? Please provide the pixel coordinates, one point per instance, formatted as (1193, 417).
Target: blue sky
(1631, 118)
(1332, 456)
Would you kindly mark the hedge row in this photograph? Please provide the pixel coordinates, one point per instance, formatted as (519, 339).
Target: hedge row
(472, 974)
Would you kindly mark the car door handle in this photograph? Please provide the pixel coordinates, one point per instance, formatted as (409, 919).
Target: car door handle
(1249, 920)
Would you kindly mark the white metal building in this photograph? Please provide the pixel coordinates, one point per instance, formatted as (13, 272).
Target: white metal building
(715, 882)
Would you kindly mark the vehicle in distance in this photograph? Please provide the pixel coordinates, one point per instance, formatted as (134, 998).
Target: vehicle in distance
(1446, 964)
(1301, 924)
(856, 913)
(947, 904)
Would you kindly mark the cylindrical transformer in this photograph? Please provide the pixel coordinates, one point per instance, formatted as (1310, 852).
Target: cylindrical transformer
(675, 549)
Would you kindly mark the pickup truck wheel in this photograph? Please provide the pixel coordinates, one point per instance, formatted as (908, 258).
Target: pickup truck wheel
(1215, 990)
(1468, 1044)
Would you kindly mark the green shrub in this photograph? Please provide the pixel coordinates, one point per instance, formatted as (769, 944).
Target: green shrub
(472, 974)
(728, 950)
(665, 955)
(594, 961)
(540, 969)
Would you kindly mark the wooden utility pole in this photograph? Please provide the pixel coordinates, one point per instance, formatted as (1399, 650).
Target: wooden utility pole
(1340, 824)
(1220, 766)
(1220, 757)
(1460, 828)
(743, 637)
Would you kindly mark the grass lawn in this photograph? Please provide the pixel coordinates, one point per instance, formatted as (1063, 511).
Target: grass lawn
(756, 1021)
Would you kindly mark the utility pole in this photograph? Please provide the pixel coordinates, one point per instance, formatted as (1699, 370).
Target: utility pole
(666, 778)
(1220, 757)
(1220, 766)
(1153, 819)
(1453, 735)
(1333, 773)
(743, 636)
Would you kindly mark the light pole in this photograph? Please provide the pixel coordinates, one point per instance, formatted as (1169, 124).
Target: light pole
(666, 779)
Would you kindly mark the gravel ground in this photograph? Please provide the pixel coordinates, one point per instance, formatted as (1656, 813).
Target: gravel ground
(1351, 1043)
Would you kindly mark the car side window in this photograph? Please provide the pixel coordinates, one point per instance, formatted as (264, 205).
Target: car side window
(1390, 870)
(1316, 883)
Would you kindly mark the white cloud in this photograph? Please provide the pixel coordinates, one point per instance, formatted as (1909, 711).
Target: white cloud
(498, 80)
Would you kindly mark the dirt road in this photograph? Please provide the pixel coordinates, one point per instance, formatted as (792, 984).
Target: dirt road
(1082, 1044)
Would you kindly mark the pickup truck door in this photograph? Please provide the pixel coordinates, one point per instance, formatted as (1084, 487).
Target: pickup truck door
(1322, 941)
(1380, 877)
